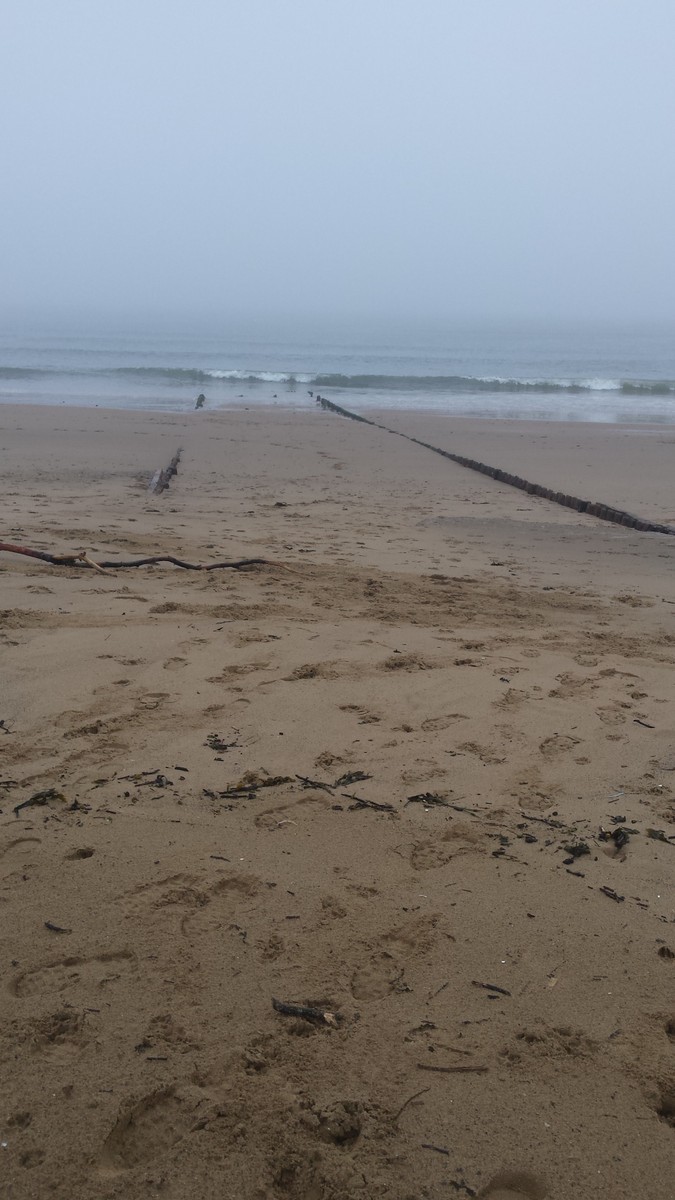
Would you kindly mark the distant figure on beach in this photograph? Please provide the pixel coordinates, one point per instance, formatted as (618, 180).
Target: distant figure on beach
(310, 393)
(201, 400)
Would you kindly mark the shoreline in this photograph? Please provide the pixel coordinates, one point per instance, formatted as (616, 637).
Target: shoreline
(654, 419)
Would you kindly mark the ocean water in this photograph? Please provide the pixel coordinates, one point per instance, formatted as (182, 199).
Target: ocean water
(587, 373)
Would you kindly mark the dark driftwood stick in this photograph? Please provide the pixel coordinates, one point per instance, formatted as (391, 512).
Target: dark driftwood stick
(187, 566)
(304, 1010)
(491, 987)
(463, 1069)
(81, 560)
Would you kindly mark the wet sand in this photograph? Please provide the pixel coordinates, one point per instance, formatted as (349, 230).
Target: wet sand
(450, 638)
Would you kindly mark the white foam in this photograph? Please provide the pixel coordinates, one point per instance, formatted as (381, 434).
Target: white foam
(601, 385)
(261, 376)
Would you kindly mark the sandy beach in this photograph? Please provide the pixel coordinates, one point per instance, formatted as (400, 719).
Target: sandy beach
(414, 772)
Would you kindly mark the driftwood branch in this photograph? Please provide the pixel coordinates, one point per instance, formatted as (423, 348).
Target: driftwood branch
(82, 559)
(162, 477)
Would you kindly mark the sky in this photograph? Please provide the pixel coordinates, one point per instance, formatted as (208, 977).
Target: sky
(381, 158)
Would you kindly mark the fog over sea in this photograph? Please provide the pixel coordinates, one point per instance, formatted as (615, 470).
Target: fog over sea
(561, 372)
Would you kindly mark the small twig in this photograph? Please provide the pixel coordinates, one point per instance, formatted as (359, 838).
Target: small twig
(440, 989)
(544, 821)
(490, 987)
(359, 802)
(637, 721)
(438, 1149)
(248, 789)
(608, 891)
(315, 783)
(409, 1101)
(56, 928)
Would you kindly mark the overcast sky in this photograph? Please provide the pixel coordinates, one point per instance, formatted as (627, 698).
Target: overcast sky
(380, 157)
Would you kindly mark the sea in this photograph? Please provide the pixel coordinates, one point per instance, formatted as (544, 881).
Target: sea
(556, 372)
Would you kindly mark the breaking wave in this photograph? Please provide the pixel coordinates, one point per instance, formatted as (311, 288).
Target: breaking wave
(468, 384)
(486, 383)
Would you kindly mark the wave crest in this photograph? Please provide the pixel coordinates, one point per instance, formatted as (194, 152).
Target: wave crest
(449, 384)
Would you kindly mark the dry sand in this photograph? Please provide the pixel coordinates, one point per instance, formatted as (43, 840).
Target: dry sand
(428, 627)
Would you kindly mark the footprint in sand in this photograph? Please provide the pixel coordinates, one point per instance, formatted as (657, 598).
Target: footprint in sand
(164, 895)
(560, 1041)
(284, 814)
(461, 838)
(17, 849)
(512, 698)
(366, 717)
(422, 771)
(611, 715)
(149, 1128)
(65, 974)
(570, 686)
(59, 1036)
(407, 662)
(236, 669)
(557, 744)
(487, 754)
(149, 701)
(323, 670)
(376, 978)
(417, 936)
(254, 635)
(382, 972)
(514, 1185)
(665, 1102)
(434, 724)
(225, 901)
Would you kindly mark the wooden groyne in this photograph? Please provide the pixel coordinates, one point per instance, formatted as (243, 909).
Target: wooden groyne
(604, 512)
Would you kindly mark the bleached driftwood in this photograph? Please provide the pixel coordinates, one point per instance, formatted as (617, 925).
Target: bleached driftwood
(82, 559)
